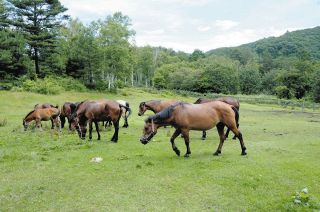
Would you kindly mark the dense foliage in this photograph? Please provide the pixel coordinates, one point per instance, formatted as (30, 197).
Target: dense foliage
(37, 40)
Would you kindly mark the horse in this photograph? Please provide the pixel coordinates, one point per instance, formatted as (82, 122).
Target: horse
(39, 115)
(66, 111)
(124, 114)
(94, 112)
(43, 106)
(155, 105)
(185, 117)
(228, 100)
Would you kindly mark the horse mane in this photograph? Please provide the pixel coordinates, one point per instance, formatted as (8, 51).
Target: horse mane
(198, 101)
(28, 114)
(164, 114)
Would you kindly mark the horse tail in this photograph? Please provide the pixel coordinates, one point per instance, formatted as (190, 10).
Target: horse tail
(128, 109)
(236, 111)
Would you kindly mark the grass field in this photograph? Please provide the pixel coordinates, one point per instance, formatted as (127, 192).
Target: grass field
(52, 171)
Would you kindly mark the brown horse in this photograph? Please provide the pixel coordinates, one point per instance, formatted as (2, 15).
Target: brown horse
(94, 112)
(43, 106)
(39, 115)
(66, 111)
(155, 105)
(185, 117)
(228, 100)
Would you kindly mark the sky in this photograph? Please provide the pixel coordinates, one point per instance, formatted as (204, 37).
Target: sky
(186, 25)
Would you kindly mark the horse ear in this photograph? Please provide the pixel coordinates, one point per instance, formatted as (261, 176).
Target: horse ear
(57, 106)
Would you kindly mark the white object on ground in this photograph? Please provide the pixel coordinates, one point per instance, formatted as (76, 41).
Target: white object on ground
(96, 159)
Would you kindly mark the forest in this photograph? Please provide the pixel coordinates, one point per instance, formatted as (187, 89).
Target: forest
(42, 48)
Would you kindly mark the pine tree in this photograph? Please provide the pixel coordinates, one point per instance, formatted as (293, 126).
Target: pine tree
(38, 20)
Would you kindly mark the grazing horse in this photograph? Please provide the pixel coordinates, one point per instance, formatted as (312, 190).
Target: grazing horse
(66, 111)
(43, 106)
(185, 117)
(39, 115)
(124, 113)
(94, 112)
(155, 105)
(228, 100)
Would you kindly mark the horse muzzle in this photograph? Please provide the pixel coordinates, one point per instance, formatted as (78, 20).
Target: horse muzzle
(144, 141)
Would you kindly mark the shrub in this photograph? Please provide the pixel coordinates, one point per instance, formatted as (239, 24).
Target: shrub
(283, 92)
(45, 86)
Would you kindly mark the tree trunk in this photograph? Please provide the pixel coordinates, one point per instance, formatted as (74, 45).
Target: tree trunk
(36, 61)
(132, 78)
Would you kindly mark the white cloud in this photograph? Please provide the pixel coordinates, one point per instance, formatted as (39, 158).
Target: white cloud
(204, 28)
(225, 24)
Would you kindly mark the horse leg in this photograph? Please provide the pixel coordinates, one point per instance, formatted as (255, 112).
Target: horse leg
(174, 136)
(227, 133)
(235, 137)
(185, 134)
(63, 121)
(38, 124)
(58, 123)
(97, 129)
(204, 135)
(116, 131)
(125, 125)
(90, 131)
(239, 136)
(220, 128)
(52, 125)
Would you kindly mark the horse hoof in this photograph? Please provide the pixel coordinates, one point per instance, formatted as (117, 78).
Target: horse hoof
(234, 138)
(186, 155)
(216, 154)
(203, 138)
(177, 152)
(243, 153)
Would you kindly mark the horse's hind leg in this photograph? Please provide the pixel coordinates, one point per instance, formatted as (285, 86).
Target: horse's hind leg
(220, 128)
(204, 135)
(116, 131)
(185, 134)
(235, 137)
(97, 129)
(125, 125)
(174, 136)
(238, 134)
(58, 123)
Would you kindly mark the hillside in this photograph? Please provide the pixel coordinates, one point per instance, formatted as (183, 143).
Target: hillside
(301, 43)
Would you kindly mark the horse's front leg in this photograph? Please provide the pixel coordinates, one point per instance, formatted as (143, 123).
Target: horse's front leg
(58, 123)
(174, 136)
(185, 134)
(204, 135)
(90, 130)
(52, 123)
(97, 129)
(38, 124)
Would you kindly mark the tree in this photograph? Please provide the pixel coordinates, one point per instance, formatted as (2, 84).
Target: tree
(250, 79)
(38, 20)
(114, 36)
(196, 55)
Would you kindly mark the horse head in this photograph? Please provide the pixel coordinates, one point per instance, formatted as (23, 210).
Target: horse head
(142, 108)
(149, 130)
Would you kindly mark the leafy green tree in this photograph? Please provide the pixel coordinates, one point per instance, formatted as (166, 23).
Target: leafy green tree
(114, 36)
(38, 20)
(316, 86)
(196, 55)
(250, 79)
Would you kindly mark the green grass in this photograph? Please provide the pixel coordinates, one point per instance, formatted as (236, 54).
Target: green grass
(52, 171)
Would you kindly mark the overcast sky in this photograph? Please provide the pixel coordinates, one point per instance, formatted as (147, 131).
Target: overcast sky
(202, 24)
